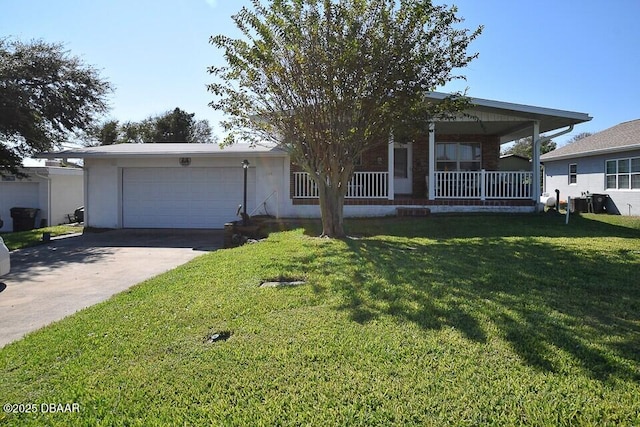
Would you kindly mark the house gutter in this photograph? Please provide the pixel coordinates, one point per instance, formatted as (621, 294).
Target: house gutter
(555, 135)
(592, 153)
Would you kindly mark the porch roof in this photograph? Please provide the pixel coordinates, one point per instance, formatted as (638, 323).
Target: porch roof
(507, 120)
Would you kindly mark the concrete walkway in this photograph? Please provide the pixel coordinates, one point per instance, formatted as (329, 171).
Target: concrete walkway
(51, 281)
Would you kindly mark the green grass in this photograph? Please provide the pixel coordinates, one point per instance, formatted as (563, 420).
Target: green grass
(474, 320)
(23, 239)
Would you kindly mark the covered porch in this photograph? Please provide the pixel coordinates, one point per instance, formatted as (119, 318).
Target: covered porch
(456, 163)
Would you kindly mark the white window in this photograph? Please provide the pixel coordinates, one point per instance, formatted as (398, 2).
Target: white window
(623, 174)
(458, 156)
(573, 173)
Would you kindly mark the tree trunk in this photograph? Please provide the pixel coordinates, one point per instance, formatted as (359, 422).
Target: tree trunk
(331, 208)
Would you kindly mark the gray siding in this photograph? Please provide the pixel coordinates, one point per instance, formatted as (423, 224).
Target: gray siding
(591, 178)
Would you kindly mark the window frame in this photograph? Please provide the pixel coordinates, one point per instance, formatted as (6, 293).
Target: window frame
(572, 177)
(628, 175)
(458, 161)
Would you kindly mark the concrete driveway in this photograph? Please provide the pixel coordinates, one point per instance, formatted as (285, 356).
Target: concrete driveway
(51, 281)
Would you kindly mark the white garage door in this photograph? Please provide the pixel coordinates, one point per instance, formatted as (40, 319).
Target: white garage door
(16, 195)
(184, 197)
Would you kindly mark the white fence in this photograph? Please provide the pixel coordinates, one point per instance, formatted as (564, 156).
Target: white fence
(483, 185)
(363, 185)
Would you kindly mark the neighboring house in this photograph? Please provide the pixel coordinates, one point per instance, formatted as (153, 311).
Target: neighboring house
(454, 168)
(514, 162)
(607, 162)
(56, 191)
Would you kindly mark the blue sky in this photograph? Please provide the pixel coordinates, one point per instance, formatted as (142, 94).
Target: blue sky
(578, 55)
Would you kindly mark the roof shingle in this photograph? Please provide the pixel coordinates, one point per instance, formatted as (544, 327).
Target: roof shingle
(621, 137)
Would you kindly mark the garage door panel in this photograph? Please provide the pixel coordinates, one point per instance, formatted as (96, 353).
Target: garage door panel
(184, 197)
(174, 191)
(201, 174)
(135, 175)
(159, 221)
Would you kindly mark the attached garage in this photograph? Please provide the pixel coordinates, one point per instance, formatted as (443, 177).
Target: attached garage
(178, 185)
(184, 197)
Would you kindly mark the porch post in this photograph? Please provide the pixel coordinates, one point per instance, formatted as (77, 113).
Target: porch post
(535, 164)
(390, 163)
(431, 183)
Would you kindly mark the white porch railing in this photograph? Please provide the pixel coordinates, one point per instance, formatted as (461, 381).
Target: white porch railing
(508, 185)
(483, 185)
(448, 185)
(363, 185)
(304, 187)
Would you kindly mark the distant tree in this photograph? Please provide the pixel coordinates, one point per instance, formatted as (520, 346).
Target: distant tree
(172, 126)
(107, 133)
(329, 79)
(201, 132)
(131, 132)
(45, 96)
(524, 147)
(578, 137)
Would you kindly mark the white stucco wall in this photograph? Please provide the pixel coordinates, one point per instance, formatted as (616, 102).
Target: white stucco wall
(350, 211)
(102, 193)
(66, 193)
(103, 207)
(591, 178)
(56, 191)
(272, 186)
(24, 193)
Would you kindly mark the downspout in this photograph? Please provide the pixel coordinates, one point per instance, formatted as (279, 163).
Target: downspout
(555, 135)
(537, 143)
(48, 179)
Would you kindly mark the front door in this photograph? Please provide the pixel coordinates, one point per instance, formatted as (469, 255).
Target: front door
(402, 170)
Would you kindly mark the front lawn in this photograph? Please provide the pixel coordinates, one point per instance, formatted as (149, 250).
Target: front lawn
(23, 239)
(461, 320)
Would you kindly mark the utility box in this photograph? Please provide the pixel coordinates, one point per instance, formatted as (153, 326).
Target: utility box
(579, 205)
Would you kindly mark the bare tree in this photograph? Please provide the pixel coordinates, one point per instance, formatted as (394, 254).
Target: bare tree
(579, 136)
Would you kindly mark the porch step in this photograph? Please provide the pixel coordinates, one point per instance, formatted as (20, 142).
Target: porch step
(413, 211)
